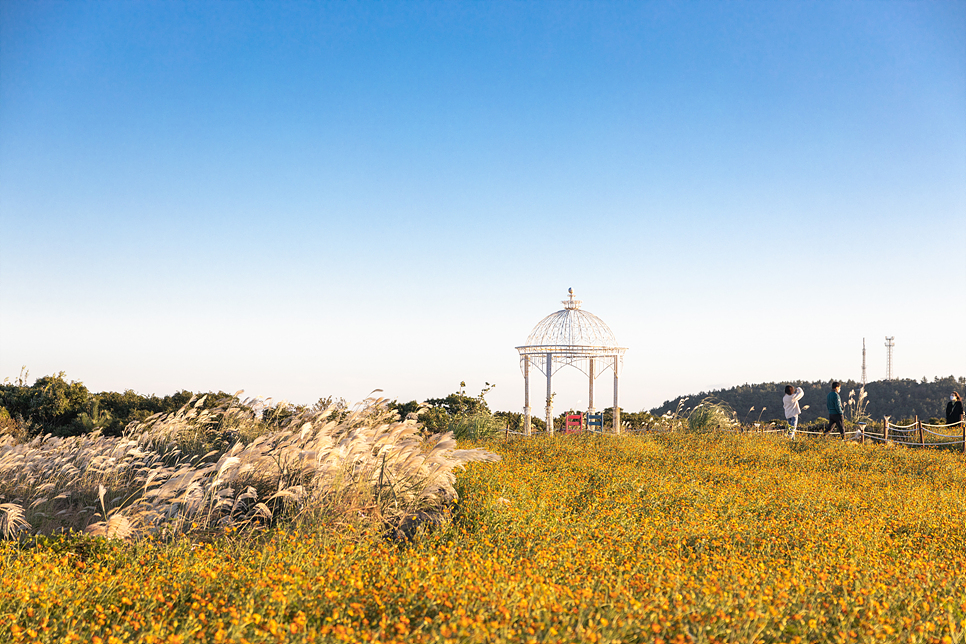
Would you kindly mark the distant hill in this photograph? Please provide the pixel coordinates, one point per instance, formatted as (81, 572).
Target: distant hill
(899, 399)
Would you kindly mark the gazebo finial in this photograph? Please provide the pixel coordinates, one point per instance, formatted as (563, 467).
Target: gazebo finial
(571, 303)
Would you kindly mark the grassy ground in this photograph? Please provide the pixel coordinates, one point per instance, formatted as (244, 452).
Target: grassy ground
(671, 538)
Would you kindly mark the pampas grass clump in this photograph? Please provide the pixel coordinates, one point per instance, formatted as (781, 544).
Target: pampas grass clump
(319, 466)
(711, 416)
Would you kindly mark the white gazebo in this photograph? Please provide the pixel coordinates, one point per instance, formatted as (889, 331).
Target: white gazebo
(570, 337)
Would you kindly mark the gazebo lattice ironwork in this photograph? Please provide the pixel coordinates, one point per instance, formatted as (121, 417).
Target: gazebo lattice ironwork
(570, 337)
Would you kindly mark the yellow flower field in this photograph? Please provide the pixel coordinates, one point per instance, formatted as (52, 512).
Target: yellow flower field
(665, 538)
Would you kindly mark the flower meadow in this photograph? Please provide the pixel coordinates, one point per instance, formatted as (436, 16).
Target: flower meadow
(670, 537)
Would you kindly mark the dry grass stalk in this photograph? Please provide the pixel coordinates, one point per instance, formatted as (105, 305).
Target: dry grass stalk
(161, 478)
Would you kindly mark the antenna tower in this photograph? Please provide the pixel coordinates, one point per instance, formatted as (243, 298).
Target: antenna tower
(889, 344)
(863, 362)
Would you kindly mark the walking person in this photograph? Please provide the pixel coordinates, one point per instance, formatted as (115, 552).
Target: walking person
(792, 410)
(833, 402)
(954, 409)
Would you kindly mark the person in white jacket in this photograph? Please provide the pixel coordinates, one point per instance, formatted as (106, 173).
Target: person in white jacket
(792, 410)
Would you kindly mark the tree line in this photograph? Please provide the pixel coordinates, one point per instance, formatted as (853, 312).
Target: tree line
(54, 405)
(901, 399)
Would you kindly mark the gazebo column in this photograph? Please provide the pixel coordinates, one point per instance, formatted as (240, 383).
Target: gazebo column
(590, 395)
(526, 395)
(549, 394)
(617, 409)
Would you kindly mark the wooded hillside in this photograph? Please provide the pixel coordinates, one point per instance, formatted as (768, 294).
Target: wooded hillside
(899, 399)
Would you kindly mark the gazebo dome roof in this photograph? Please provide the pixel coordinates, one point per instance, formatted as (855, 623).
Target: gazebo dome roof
(571, 330)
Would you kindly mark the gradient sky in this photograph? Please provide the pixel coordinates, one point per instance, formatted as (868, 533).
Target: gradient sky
(312, 199)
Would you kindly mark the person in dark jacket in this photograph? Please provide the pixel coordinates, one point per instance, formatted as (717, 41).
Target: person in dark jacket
(833, 402)
(954, 409)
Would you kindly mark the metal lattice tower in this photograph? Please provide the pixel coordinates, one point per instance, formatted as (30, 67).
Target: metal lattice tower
(575, 338)
(863, 361)
(889, 344)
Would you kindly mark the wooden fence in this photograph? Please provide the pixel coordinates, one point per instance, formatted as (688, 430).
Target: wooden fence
(915, 434)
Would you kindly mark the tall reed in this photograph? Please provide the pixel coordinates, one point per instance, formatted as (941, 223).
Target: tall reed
(206, 470)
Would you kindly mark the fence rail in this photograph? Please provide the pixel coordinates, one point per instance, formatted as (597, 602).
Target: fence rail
(889, 435)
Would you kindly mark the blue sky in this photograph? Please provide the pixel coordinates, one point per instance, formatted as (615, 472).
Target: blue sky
(311, 199)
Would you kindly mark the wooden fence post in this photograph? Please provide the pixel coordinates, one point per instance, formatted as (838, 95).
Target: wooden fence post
(885, 429)
(919, 427)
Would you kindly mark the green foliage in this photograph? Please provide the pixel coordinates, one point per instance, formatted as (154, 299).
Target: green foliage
(475, 426)
(96, 420)
(509, 420)
(434, 420)
(463, 415)
(51, 402)
(405, 409)
(513, 421)
(130, 406)
(54, 405)
(7, 424)
(457, 404)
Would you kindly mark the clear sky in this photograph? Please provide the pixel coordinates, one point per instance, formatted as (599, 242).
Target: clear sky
(312, 199)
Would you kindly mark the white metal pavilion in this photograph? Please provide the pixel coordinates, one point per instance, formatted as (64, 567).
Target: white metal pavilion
(570, 337)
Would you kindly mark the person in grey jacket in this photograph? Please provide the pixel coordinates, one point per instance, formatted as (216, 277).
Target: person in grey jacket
(834, 404)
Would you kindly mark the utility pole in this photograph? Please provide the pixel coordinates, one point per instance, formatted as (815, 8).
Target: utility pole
(889, 344)
(863, 362)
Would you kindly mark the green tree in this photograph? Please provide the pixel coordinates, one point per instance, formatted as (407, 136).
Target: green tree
(463, 415)
(52, 405)
(405, 409)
